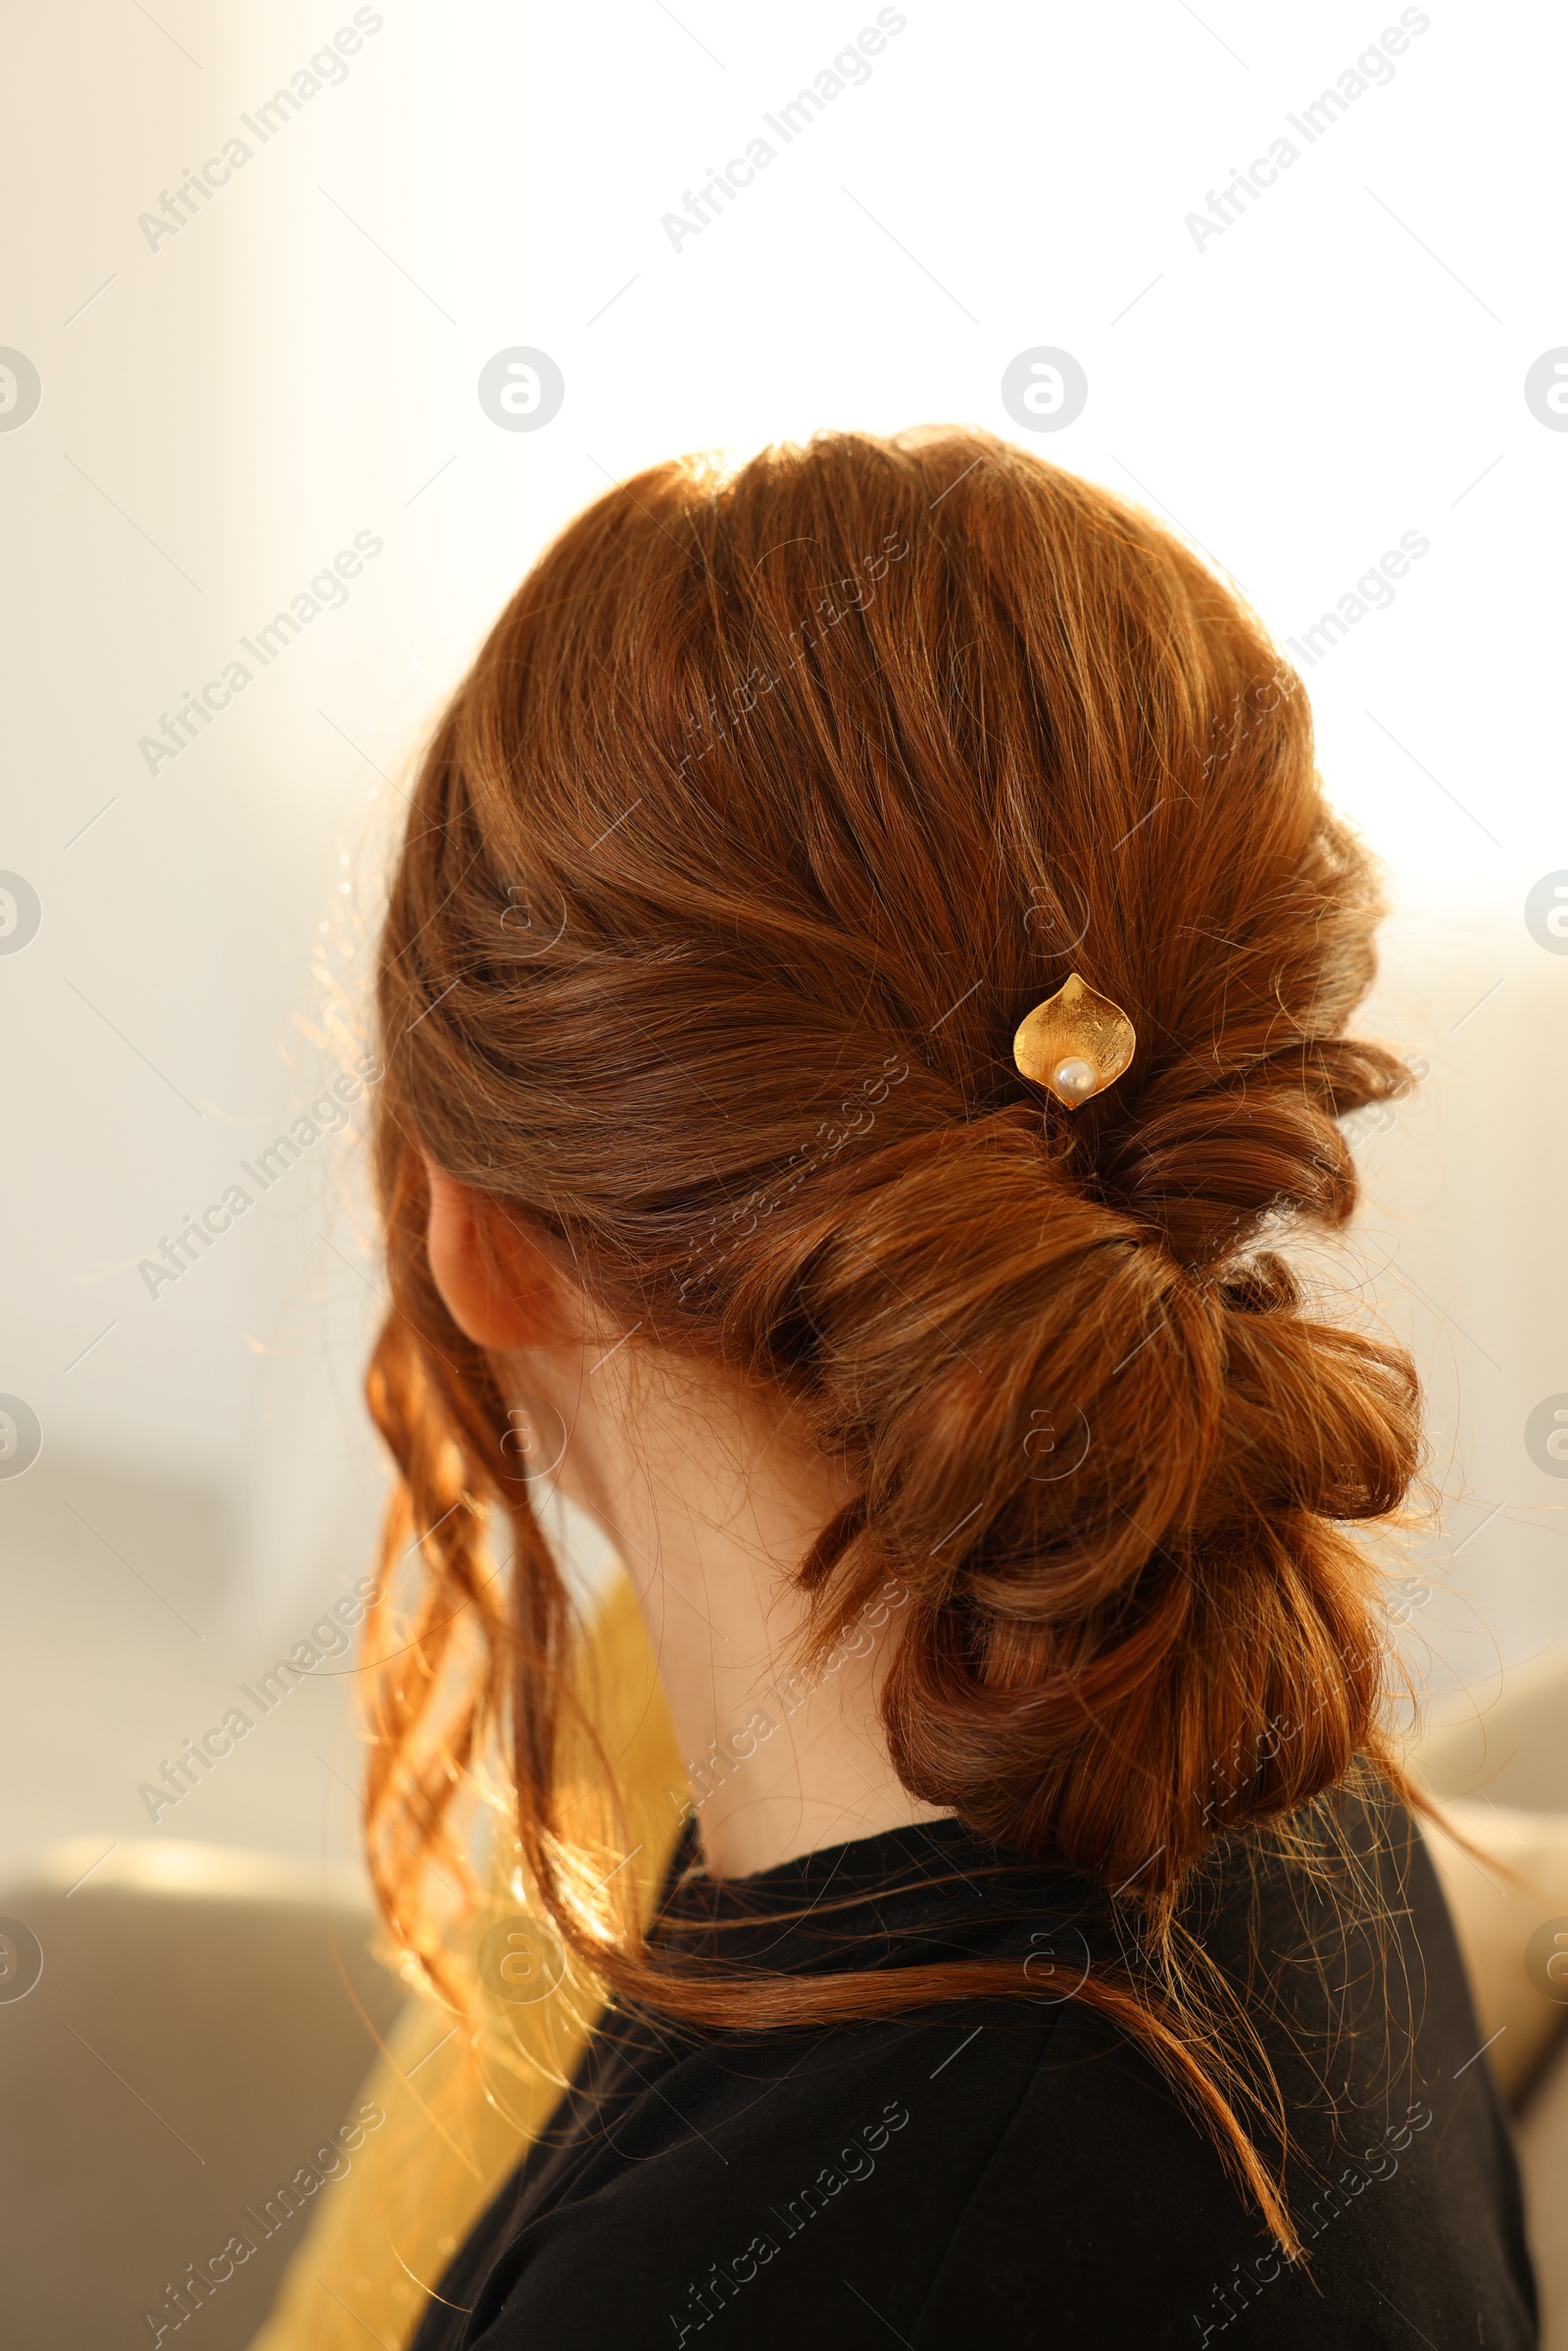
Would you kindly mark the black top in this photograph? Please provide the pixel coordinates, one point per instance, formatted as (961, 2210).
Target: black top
(1015, 2174)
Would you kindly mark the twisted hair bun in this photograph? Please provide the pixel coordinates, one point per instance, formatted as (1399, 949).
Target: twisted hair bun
(773, 803)
(1114, 1488)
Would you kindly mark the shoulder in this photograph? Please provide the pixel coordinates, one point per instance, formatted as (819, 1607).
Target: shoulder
(793, 2178)
(1107, 2214)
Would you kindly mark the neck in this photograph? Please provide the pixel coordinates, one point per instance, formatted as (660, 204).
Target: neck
(713, 1511)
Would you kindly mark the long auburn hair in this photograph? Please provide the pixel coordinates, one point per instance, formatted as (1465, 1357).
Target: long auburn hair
(773, 802)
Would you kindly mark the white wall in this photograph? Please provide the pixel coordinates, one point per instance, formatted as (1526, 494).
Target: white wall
(1344, 364)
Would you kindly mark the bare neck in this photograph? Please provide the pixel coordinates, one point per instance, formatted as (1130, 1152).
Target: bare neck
(713, 1501)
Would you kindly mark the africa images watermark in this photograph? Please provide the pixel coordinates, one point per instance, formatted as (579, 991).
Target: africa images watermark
(328, 1112)
(202, 2280)
(326, 592)
(1233, 2294)
(198, 188)
(724, 1235)
(849, 70)
(856, 2160)
(329, 1638)
(1374, 67)
(721, 724)
(790, 1694)
(1373, 592)
(1238, 1776)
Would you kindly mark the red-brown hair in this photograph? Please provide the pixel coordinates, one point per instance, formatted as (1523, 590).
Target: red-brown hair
(773, 802)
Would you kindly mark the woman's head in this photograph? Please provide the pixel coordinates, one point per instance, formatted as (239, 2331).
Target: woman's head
(774, 800)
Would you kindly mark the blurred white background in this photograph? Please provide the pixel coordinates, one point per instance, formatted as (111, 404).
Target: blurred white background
(225, 405)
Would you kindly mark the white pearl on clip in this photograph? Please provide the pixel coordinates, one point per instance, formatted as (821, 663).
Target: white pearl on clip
(1075, 1044)
(1075, 1077)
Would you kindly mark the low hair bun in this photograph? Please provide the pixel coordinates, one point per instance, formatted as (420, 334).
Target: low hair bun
(1116, 1488)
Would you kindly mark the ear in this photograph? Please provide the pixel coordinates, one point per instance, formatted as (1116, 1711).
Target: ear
(501, 1289)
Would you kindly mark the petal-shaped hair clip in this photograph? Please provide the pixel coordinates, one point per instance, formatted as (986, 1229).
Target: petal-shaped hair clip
(1076, 1043)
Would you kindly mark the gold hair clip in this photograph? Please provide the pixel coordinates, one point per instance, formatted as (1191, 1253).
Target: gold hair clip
(1076, 1043)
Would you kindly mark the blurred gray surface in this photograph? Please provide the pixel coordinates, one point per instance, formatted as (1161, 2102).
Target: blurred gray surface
(202, 2022)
